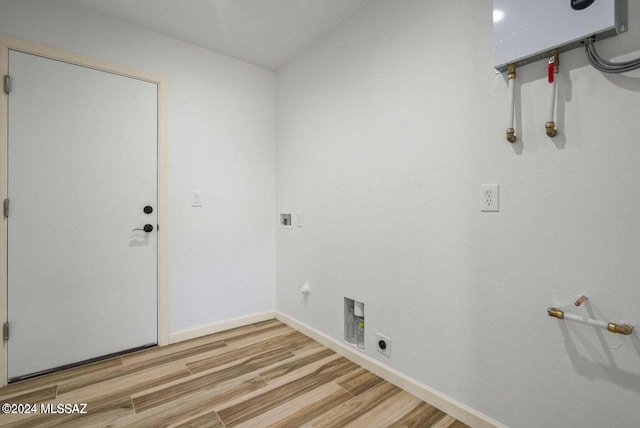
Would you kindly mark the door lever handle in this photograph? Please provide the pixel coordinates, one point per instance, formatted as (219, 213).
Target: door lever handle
(147, 228)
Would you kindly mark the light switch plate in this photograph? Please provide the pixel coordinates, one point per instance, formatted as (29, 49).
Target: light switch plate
(196, 198)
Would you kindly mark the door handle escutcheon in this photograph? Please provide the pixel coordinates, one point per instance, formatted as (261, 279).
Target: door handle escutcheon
(147, 228)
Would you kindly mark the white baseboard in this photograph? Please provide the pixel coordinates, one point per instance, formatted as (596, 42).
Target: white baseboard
(443, 402)
(447, 404)
(220, 326)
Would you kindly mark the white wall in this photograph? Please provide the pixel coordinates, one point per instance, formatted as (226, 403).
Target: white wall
(386, 129)
(222, 141)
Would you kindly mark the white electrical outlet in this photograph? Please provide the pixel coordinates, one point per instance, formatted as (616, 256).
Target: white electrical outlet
(489, 197)
(383, 344)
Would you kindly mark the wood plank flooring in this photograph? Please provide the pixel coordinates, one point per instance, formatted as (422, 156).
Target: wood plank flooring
(261, 375)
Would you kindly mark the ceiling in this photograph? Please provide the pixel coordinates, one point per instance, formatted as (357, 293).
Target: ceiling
(268, 33)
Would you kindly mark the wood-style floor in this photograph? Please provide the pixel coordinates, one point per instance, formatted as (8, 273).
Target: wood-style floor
(261, 375)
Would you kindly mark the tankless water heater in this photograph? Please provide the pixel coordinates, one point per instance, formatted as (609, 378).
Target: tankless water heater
(528, 30)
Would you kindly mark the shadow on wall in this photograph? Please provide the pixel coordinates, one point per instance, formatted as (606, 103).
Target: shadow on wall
(139, 242)
(587, 366)
(624, 81)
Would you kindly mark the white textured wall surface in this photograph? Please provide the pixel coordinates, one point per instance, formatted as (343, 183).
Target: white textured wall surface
(222, 141)
(386, 129)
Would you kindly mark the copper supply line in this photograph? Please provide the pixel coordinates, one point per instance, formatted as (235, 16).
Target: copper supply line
(625, 329)
(550, 126)
(511, 133)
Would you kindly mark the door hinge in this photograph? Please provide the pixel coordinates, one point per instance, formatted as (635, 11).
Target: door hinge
(6, 208)
(7, 84)
(5, 331)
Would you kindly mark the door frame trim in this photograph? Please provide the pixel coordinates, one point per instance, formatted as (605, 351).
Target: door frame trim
(10, 43)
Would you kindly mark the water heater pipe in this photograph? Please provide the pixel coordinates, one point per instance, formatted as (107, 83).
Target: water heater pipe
(511, 133)
(550, 126)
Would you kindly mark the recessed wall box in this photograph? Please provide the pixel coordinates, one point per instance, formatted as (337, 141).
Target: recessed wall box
(285, 220)
(526, 31)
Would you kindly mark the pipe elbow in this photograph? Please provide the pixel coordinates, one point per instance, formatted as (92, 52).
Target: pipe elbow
(511, 135)
(551, 129)
(625, 329)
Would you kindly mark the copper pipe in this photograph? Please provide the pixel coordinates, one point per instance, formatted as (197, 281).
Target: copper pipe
(581, 300)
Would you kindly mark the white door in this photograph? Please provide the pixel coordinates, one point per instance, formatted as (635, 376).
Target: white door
(82, 153)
